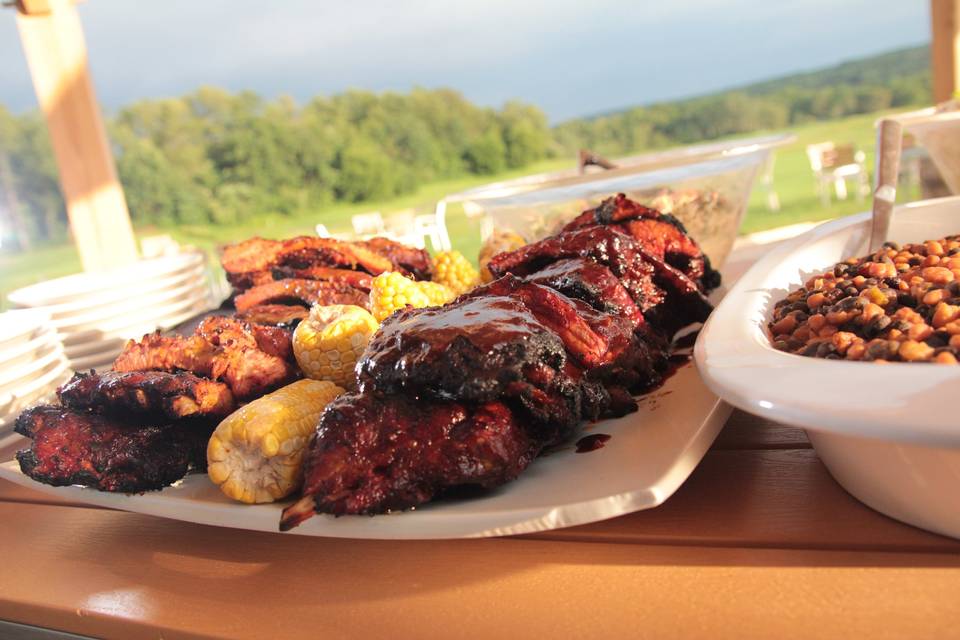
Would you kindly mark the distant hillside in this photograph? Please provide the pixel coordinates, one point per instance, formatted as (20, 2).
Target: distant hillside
(882, 69)
(896, 79)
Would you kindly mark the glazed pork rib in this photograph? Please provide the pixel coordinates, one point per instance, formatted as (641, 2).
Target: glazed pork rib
(374, 454)
(77, 447)
(474, 350)
(406, 259)
(277, 315)
(661, 235)
(584, 279)
(301, 291)
(247, 261)
(168, 395)
(667, 298)
(258, 261)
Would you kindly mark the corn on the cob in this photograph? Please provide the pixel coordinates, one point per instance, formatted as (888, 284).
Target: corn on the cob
(438, 294)
(455, 271)
(255, 454)
(329, 341)
(391, 291)
(498, 242)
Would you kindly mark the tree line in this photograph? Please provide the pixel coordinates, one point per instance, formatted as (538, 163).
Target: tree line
(214, 157)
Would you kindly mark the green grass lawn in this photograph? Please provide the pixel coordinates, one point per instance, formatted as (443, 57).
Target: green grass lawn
(793, 182)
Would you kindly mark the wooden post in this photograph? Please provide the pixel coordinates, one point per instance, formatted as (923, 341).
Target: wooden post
(56, 54)
(945, 48)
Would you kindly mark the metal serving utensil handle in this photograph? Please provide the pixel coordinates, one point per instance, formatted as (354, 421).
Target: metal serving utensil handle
(889, 138)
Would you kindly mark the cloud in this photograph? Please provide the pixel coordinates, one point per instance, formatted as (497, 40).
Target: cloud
(570, 57)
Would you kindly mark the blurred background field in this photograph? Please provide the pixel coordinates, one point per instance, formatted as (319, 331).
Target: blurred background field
(214, 167)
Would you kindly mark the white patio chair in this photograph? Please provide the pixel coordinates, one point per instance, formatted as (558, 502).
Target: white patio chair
(835, 164)
(365, 224)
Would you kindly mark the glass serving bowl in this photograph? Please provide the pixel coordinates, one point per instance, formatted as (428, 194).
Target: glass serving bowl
(705, 186)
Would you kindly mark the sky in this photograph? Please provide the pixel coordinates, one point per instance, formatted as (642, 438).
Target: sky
(571, 58)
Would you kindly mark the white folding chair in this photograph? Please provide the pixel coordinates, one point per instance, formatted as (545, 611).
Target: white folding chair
(365, 224)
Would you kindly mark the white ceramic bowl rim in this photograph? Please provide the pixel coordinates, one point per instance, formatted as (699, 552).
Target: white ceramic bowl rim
(68, 287)
(20, 322)
(894, 401)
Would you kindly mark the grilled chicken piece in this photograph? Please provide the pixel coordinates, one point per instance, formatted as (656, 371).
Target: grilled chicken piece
(277, 315)
(156, 352)
(77, 447)
(299, 291)
(170, 395)
(373, 455)
(475, 349)
(251, 359)
(407, 259)
(661, 235)
(649, 281)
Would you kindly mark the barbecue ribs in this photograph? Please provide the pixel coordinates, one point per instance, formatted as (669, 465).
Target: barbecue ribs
(277, 315)
(258, 261)
(76, 447)
(475, 349)
(301, 291)
(406, 259)
(167, 395)
(375, 454)
(667, 297)
(661, 235)
(248, 261)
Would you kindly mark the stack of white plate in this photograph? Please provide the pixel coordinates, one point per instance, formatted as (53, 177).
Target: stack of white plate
(96, 313)
(32, 363)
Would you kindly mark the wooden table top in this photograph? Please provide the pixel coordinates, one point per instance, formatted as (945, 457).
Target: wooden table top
(760, 542)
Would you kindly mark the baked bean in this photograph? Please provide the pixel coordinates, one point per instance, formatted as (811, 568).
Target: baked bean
(897, 304)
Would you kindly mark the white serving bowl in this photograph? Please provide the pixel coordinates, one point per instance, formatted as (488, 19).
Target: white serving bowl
(888, 433)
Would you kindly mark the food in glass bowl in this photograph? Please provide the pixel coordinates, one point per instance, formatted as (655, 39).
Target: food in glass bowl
(898, 304)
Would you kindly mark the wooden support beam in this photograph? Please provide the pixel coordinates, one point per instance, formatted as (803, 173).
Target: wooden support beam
(945, 48)
(56, 53)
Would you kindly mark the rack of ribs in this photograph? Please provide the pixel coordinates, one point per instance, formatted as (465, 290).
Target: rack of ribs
(301, 292)
(665, 295)
(661, 235)
(258, 261)
(375, 454)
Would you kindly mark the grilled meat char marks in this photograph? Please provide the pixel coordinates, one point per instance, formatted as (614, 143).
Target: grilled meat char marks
(406, 259)
(477, 350)
(373, 454)
(248, 261)
(277, 315)
(663, 236)
(77, 447)
(595, 284)
(167, 395)
(250, 359)
(301, 291)
(667, 298)
(258, 261)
